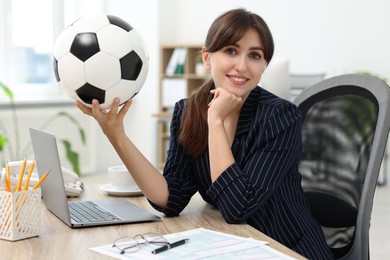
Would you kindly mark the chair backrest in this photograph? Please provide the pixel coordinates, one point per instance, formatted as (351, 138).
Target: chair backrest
(345, 125)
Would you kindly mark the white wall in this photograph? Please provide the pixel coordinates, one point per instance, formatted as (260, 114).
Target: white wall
(316, 36)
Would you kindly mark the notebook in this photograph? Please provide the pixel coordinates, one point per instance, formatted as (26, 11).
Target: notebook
(108, 212)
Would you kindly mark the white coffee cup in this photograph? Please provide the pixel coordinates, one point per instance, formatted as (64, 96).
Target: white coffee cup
(121, 178)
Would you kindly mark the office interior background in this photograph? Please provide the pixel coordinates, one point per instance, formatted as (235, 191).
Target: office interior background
(325, 36)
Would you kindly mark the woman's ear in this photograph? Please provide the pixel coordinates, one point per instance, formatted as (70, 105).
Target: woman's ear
(205, 58)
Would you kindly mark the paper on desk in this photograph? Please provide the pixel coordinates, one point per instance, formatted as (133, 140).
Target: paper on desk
(203, 243)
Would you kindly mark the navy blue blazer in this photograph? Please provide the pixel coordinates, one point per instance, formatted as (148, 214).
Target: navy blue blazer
(263, 187)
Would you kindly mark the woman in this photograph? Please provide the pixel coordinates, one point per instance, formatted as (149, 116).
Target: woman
(232, 141)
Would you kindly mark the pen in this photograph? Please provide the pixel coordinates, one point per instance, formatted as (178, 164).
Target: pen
(170, 246)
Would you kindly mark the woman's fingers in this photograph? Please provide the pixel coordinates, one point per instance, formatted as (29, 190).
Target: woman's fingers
(114, 108)
(125, 108)
(83, 108)
(101, 114)
(96, 111)
(213, 91)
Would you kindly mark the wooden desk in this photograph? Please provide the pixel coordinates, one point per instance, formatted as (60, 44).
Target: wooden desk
(58, 241)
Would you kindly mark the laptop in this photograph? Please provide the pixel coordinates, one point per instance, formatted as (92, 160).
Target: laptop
(94, 212)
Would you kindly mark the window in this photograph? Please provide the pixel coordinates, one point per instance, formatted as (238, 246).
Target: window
(32, 41)
(28, 30)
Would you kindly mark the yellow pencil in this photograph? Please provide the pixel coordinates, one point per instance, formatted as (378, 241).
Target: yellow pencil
(7, 184)
(30, 170)
(7, 178)
(8, 172)
(39, 182)
(22, 169)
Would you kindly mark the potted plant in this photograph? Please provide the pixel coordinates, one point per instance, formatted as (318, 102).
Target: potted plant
(15, 152)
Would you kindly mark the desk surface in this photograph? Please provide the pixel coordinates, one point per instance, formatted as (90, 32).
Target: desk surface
(58, 241)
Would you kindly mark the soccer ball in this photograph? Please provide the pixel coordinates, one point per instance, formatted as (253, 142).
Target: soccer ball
(100, 57)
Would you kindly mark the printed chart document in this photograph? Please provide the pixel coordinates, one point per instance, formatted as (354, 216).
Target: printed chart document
(203, 243)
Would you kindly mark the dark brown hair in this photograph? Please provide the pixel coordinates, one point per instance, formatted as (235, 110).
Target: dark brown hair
(227, 29)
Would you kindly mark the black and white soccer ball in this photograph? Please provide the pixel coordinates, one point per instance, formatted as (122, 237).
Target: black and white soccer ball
(100, 57)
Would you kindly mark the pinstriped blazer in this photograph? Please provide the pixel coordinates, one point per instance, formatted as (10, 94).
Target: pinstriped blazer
(263, 186)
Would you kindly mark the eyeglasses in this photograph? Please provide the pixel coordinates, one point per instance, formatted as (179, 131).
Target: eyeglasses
(133, 244)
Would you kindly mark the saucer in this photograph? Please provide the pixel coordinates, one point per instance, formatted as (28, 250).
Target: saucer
(118, 191)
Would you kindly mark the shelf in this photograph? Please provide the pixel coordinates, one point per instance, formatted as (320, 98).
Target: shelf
(163, 116)
(186, 83)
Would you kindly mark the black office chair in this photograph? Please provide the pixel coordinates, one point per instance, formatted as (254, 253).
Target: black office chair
(345, 125)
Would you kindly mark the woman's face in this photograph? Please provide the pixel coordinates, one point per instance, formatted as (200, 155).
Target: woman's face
(238, 67)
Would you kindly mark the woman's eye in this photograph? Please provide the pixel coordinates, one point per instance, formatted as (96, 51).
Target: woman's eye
(255, 55)
(230, 51)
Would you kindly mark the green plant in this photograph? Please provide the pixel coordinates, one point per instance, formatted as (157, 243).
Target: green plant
(14, 149)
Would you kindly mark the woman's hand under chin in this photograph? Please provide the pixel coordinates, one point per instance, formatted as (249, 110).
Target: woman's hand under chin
(223, 104)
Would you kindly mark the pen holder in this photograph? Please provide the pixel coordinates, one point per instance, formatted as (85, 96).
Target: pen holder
(20, 214)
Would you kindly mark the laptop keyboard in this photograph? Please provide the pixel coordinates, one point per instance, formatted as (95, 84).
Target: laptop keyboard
(88, 211)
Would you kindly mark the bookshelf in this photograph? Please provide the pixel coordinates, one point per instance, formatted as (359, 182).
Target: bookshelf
(174, 84)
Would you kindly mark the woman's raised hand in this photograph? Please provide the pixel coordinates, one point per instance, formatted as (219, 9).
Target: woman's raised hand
(111, 121)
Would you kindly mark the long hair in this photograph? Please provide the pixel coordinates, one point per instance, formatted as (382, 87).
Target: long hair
(227, 29)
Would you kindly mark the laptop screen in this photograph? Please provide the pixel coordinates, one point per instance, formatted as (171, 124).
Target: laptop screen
(47, 159)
